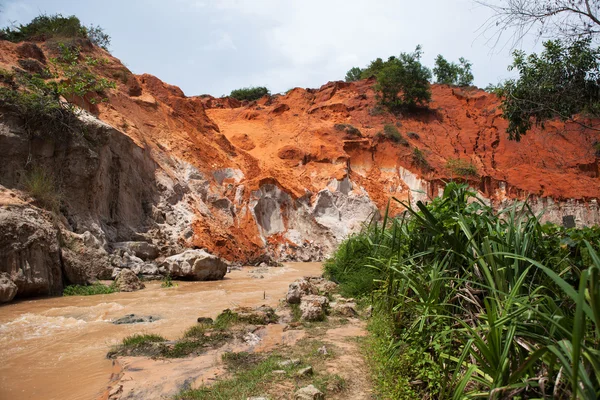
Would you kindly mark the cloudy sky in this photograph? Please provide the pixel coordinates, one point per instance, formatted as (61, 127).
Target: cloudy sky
(206, 46)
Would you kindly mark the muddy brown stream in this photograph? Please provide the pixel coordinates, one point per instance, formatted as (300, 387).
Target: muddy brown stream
(55, 348)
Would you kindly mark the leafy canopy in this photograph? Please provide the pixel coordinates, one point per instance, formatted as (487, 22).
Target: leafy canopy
(564, 80)
(403, 82)
(450, 73)
(353, 74)
(250, 93)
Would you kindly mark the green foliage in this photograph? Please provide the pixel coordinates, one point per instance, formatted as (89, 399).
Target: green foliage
(42, 186)
(349, 129)
(373, 69)
(353, 74)
(450, 73)
(44, 27)
(460, 167)
(296, 312)
(167, 282)
(88, 290)
(142, 339)
(250, 93)
(37, 103)
(407, 76)
(418, 158)
(561, 82)
(390, 132)
(479, 303)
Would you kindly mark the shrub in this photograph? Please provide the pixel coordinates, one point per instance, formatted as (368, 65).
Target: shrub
(349, 129)
(418, 158)
(250, 93)
(142, 339)
(42, 186)
(413, 135)
(461, 167)
(88, 290)
(44, 27)
(405, 75)
(450, 73)
(353, 74)
(390, 132)
(167, 282)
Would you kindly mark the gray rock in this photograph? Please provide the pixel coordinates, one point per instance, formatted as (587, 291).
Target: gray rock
(198, 265)
(309, 393)
(314, 307)
(135, 319)
(143, 250)
(8, 290)
(298, 289)
(322, 351)
(84, 259)
(29, 251)
(344, 309)
(305, 371)
(127, 281)
(289, 363)
(205, 320)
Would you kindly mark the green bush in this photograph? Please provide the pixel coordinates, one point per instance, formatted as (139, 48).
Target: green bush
(450, 73)
(142, 339)
(250, 93)
(44, 27)
(349, 129)
(42, 186)
(462, 167)
(353, 74)
(418, 158)
(88, 290)
(478, 303)
(390, 132)
(403, 82)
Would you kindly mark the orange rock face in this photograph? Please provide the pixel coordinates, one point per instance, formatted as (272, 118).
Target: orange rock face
(280, 173)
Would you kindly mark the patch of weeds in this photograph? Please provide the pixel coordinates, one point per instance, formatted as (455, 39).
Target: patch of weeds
(329, 383)
(88, 290)
(247, 382)
(167, 282)
(349, 129)
(597, 149)
(196, 331)
(142, 339)
(6, 76)
(296, 312)
(413, 135)
(235, 361)
(42, 186)
(461, 167)
(390, 132)
(377, 110)
(194, 345)
(418, 159)
(225, 320)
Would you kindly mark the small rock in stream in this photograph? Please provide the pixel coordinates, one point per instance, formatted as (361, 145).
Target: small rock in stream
(135, 319)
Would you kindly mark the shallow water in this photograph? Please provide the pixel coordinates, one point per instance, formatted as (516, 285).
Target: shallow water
(54, 348)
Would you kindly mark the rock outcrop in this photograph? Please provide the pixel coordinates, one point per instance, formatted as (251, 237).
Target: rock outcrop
(195, 265)
(127, 281)
(8, 289)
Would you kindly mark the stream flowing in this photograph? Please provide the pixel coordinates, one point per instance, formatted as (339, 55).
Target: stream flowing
(55, 348)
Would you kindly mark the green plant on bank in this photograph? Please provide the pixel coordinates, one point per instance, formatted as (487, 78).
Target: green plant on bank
(490, 304)
(390, 132)
(418, 158)
(44, 27)
(460, 167)
(88, 290)
(250, 93)
(167, 282)
(142, 339)
(43, 187)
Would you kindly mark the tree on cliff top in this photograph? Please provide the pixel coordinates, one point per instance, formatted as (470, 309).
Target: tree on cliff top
(450, 73)
(249, 93)
(44, 27)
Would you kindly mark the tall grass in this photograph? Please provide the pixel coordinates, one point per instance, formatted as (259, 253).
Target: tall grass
(499, 305)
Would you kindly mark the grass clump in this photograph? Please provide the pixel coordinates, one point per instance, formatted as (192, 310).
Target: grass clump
(142, 339)
(476, 302)
(390, 132)
(88, 290)
(418, 159)
(349, 129)
(167, 282)
(42, 186)
(250, 93)
(462, 167)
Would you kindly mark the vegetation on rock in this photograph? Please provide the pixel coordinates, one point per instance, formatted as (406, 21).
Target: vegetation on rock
(88, 290)
(471, 302)
(250, 93)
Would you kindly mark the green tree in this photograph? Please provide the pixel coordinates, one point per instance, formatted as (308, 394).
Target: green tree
(450, 73)
(250, 93)
(404, 81)
(561, 82)
(373, 68)
(353, 74)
